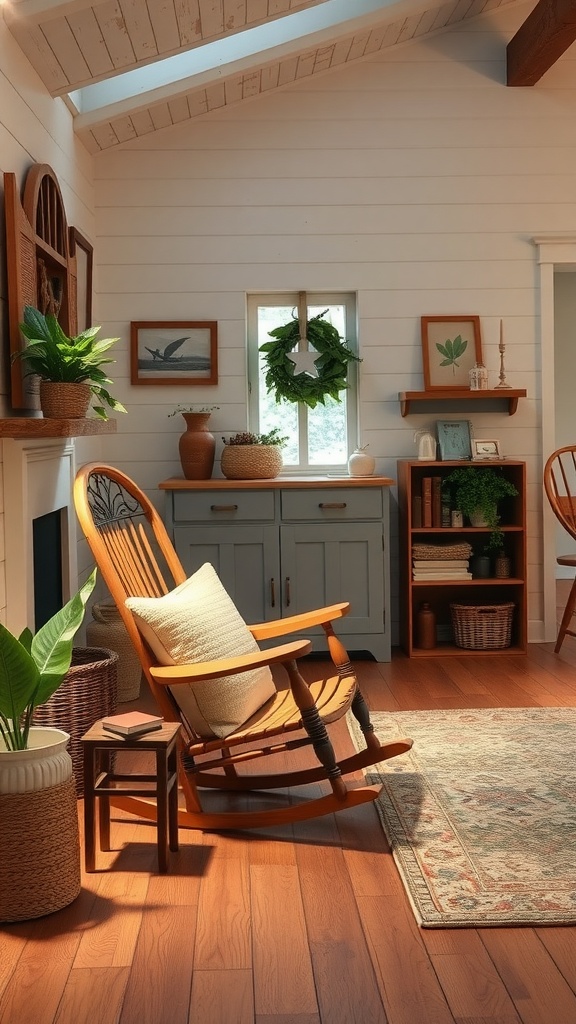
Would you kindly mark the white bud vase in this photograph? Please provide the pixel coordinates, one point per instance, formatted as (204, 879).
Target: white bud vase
(360, 463)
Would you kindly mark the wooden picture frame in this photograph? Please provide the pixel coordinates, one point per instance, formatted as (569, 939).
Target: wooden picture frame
(81, 249)
(486, 449)
(454, 440)
(174, 352)
(443, 370)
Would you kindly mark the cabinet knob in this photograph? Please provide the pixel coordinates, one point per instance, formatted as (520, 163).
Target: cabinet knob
(223, 508)
(287, 588)
(273, 592)
(332, 504)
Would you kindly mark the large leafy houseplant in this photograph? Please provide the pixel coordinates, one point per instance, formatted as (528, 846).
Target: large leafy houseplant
(32, 667)
(478, 490)
(55, 357)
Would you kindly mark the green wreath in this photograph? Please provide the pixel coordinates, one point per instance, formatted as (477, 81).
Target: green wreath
(332, 363)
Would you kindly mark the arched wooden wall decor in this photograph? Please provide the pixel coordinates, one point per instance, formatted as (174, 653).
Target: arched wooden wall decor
(41, 267)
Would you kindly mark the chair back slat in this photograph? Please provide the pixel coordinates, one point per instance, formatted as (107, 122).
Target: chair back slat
(132, 550)
(560, 486)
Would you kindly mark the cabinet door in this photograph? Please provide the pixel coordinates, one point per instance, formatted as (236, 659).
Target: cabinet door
(246, 560)
(326, 563)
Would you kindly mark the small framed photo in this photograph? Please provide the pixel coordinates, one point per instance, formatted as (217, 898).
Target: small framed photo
(451, 346)
(485, 449)
(174, 352)
(454, 439)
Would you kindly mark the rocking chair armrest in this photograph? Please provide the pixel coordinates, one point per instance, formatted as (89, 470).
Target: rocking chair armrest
(170, 675)
(294, 623)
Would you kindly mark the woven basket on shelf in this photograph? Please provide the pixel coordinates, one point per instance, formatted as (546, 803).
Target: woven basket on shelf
(88, 692)
(63, 400)
(482, 627)
(447, 551)
(251, 461)
(108, 630)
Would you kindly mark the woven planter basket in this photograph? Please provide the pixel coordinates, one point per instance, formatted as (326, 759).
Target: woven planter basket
(108, 630)
(88, 692)
(251, 461)
(39, 852)
(63, 401)
(482, 627)
(447, 551)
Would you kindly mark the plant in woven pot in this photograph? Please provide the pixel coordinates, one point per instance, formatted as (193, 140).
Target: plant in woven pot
(248, 456)
(39, 842)
(70, 369)
(478, 491)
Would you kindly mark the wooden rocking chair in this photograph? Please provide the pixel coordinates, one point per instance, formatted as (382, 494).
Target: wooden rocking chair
(136, 558)
(560, 487)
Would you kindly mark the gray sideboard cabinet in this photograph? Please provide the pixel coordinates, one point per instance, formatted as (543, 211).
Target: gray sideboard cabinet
(285, 546)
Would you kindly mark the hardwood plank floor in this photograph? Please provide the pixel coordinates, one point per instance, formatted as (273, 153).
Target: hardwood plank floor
(306, 924)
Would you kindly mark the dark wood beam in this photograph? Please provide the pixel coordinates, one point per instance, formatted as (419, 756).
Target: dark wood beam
(547, 32)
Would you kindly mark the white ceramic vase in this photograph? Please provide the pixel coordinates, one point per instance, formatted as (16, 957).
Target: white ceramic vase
(360, 463)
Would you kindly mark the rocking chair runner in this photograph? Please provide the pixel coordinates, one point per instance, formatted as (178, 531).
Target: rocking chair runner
(136, 558)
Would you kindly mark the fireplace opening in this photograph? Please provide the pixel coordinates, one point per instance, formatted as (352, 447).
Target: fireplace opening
(47, 561)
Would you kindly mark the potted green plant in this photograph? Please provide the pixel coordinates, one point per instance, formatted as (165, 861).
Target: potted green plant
(70, 369)
(249, 456)
(39, 843)
(477, 491)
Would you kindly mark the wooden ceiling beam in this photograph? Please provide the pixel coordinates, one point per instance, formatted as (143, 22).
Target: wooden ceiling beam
(545, 35)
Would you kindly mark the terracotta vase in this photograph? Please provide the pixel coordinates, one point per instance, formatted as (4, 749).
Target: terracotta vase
(197, 446)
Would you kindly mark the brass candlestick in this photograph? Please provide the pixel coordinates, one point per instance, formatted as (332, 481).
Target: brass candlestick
(501, 349)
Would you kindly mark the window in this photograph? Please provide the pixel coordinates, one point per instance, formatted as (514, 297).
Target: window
(321, 438)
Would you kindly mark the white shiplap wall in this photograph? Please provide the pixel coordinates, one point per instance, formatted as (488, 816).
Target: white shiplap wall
(415, 178)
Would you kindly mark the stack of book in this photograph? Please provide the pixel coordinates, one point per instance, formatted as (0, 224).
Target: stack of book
(441, 562)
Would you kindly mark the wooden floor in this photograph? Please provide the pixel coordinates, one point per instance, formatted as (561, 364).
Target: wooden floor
(300, 925)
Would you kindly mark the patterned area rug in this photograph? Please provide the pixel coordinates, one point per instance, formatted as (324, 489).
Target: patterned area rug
(481, 814)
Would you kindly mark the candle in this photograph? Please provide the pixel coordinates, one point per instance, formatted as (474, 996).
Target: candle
(501, 336)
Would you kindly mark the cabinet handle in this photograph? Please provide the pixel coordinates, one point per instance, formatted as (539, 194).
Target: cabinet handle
(332, 504)
(223, 508)
(287, 591)
(273, 592)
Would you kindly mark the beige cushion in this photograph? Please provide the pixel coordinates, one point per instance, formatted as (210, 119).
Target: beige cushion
(198, 621)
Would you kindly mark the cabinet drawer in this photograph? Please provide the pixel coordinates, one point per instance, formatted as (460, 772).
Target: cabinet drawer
(332, 503)
(220, 506)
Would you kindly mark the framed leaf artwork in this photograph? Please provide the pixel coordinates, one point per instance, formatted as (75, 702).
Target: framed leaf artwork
(451, 346)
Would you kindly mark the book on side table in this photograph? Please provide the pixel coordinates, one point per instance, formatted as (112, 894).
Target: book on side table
(132, 723)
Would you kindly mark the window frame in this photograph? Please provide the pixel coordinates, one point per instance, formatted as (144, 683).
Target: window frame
(313, 298)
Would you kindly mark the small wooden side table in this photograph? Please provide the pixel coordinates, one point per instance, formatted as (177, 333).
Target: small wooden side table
(102, 782)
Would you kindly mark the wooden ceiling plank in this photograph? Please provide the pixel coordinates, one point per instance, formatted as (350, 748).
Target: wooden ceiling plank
(234, 15)
(88, 36)
(256, 10)
(197, 103)
(359, 45)
(539, 42)
(233, 89)
(160, 115)
(269, 77)
(276, 7)
(142, 122)
(105, 136)
(139, 29)
(216, 96)
(62, 42)
(306, 64)
(288, 70)
(41, 56)
(179, 110)
(188, 18)
(111, 23)
(164, 25)
(124, 129)
(211, 18)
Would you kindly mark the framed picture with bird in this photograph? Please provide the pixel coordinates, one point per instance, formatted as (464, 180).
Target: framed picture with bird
(174, 352)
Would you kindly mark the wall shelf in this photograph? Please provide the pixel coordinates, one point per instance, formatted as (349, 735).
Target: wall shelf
(28, 426)
(503, 396)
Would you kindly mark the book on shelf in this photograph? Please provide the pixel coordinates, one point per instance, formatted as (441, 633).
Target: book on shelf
(132, 723)
(417, 511)
(436, 501)
(426, 501)
(440, 563)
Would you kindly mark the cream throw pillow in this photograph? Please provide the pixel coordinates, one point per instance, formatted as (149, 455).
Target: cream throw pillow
(198, 621)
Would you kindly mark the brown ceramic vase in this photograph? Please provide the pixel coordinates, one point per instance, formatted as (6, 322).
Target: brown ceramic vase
(197, 446)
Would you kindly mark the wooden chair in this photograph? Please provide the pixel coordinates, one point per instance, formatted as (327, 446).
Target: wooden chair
(560, 487)
(136, 558)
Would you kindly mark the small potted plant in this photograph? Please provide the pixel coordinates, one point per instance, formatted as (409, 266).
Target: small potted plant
(197, 444)
(248, 456)
(39, 843)
(70, 369)
(477, 491)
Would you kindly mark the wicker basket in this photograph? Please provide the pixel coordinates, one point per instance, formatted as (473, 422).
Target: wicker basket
(108, 630)
(88, 692)
(251, 461)
(486, 627)
(62, 400)
(436, 551)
